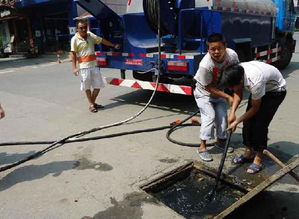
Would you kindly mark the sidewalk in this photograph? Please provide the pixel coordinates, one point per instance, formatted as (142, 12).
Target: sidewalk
(17, 61)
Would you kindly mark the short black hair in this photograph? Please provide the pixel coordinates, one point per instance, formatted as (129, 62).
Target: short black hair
(231, 75)
(216, 37)
(82, 20)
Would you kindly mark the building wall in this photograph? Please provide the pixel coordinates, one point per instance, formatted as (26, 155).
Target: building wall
(119, 6)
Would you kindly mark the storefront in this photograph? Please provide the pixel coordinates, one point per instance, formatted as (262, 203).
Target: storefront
(50, 21)
(41, 25)
(36, 25)
(15, 27)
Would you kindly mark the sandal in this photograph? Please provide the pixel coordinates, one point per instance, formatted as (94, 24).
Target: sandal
(93, 109)
(241, 159)
(254, 168)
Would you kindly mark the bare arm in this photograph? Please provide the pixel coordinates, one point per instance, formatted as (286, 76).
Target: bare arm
(236, 102)
(213, 90)
(255, 106)
(108, 43)
(74, 63)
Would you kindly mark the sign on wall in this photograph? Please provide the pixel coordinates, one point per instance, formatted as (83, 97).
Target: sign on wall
(72, 30)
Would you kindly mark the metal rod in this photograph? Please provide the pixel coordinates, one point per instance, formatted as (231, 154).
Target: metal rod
(281, 164)
(260, 187)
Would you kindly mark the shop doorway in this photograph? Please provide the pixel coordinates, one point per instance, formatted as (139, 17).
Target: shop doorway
(56, 33)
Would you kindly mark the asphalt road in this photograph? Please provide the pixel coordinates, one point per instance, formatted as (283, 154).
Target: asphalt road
(101, 178)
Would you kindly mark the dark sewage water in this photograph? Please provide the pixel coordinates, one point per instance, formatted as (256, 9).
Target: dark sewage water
(189, 196)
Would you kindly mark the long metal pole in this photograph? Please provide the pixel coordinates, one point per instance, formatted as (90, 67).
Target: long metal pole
(281, 164)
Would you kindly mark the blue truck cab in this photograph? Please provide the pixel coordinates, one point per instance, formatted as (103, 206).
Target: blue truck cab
(285, 19)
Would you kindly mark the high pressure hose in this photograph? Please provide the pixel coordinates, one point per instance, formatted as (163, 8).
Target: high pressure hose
(178, 126)
(94, 137)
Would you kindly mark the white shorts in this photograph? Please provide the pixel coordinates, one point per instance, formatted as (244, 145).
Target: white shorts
(91, 78)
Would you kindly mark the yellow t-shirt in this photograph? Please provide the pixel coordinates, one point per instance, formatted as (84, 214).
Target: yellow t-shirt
(84, 49)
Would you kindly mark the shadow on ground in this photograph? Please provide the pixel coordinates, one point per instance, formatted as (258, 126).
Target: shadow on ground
(266, 206)
(33, 172)
(293, 66)
(11, 158)
(165, 101)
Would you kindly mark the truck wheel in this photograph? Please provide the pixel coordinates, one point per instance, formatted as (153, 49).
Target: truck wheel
(143, 76)
(285, 57)
(167, 13)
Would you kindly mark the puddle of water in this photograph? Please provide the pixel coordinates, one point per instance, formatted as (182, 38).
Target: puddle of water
(188, 196)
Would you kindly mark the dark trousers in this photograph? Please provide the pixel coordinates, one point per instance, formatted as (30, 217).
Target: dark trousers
(255, 129)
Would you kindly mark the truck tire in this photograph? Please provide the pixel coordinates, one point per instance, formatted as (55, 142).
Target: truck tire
(143, 76)
(168, 15)
(285, 57)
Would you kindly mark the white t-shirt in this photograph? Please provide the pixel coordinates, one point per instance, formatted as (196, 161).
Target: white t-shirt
(208, 71)
(260, 78)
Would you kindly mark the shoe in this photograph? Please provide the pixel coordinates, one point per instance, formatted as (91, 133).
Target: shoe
(93, 109)
(205, 155)
(222, 146)
(98, 106)
(241, 159)
(255, 168)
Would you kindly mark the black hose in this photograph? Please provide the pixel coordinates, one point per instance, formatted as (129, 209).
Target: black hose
(178, 126)
(56, 144)
(35, 155)
(4, 144)
(213, 192)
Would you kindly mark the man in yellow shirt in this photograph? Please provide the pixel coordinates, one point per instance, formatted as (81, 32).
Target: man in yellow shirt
(83, 53)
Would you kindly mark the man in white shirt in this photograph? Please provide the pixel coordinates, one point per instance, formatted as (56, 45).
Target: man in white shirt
(267, 89)
(211, 101)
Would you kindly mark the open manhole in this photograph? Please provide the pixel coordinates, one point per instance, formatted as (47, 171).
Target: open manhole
(185, 190)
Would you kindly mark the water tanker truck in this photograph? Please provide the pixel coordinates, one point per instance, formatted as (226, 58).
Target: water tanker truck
(255, 29)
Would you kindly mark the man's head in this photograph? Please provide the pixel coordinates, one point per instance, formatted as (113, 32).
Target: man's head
(232, 77)
(216, 47)
(82, 27)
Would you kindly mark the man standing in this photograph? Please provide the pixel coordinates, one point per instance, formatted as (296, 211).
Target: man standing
(210, 100)
(267, 90)
(82, 51)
